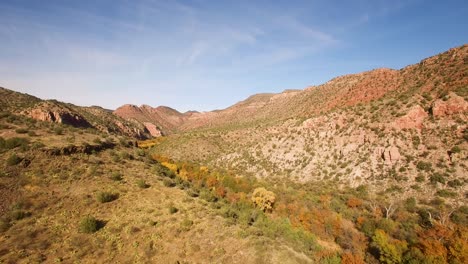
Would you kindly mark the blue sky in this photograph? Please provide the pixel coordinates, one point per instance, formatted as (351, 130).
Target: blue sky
(205, 55)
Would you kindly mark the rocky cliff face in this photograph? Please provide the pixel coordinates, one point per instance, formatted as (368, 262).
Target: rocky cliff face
(50, 112)
(450, 105)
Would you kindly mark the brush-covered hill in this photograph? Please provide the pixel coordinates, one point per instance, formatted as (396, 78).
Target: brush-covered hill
(74, 194)
(93, 117)
(356, 128)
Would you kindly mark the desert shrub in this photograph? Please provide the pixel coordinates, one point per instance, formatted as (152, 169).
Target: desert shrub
(32, 133)
(173, 209)
(455, 183)
(126, 155)
(455, 149)
(163, 171)
(420, 178)
(192, 193)
(142, 184)
(446, 193)
(21, 130)
(208, 196)
(410, 204)
(4, 225)
(460, 216)
(19, 214)
(424, 166)
(105, 197)
(58, 131)
(116, 176)
(14, 142)
(124, 142)
(97, 140)
(437, 177)
(13, 160)
(89, 225)
(263, 199)
(186, 224)
(416, 141)
(140, 152)
(168, 182)
(115, 158)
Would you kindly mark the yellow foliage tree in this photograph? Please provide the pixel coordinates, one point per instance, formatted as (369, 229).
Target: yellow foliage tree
(263, 199)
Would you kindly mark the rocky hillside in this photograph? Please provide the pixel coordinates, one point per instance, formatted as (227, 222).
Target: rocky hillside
(388, 128)
(437, 75)
(76, 116)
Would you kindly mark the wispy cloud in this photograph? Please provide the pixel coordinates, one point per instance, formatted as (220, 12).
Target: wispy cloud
(179, 47)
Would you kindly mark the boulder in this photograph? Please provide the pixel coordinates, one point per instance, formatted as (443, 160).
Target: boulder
(454, 105)
(153, 129)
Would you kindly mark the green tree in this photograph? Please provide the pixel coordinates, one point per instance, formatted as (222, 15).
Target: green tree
(390, 250)
(263, 199)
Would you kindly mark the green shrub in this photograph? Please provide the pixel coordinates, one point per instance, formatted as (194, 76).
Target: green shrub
(13, 160)
(420, 178)
(186, 224)
(173, 209)
(416, 141)
(126, 155)
(14, 142)
(142, 184)
(208, 196)
(410, 204)
(455, 149)
(19, 214)
(58, 131)
(21, 130)
(460, 216)
(424, 166)
(437, 177)
(4, 225)
(455, 183)
(169, 182)
(446, 193)
(32, 133)
(116, 176)
(105, 197)
(192, 193)
(89, 225)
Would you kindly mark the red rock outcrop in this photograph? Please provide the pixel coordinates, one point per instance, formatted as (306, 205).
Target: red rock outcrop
(51, 113)
(413, 119)
(454, 105)
(153, 129)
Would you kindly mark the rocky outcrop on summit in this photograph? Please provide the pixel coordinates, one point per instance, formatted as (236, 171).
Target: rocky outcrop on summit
(158, 121)
(453, 105)
(50, 112)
